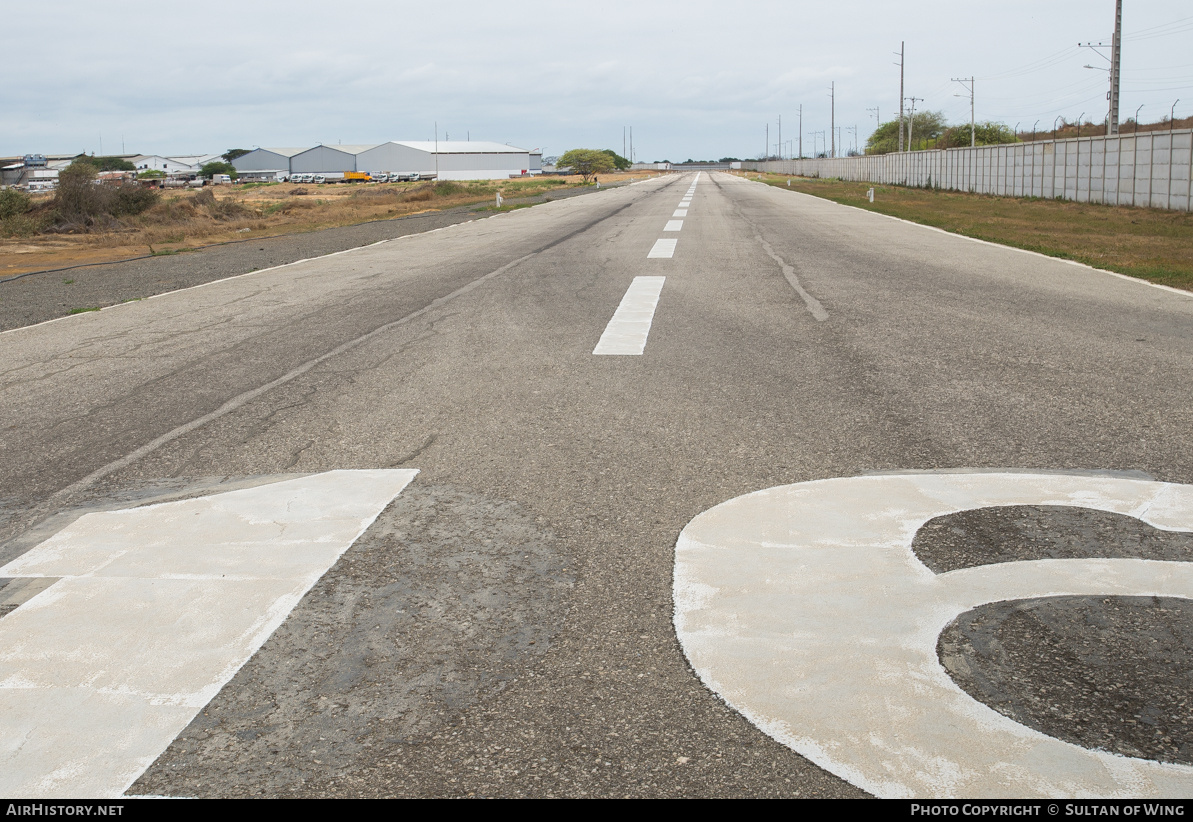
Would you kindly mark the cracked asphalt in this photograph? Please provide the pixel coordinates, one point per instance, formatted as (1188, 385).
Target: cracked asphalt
(504, 628)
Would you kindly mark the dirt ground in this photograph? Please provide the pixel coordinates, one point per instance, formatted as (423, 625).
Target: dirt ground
(187, 220)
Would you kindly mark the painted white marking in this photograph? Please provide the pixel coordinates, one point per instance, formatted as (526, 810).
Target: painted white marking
(626, 333)
(662, 249)
(680, 212)
(805, 608)
(1179, 291)
(673, 225)
(157, 609)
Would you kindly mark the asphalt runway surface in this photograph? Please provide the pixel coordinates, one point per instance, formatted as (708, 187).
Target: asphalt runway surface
(515, 621)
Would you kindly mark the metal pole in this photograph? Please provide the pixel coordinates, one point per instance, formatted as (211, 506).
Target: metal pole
(1116, 54)
(436, 149)
(901, 95)
(832, 93)
(801, 131)
(780, 136)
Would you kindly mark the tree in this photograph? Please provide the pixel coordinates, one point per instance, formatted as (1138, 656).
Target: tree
(232, 153)
(151, 174)
(619, 162)
(213, 168)
(111, 164)
(587, 162)
(729, 160)
(985, 134)
(926, 129)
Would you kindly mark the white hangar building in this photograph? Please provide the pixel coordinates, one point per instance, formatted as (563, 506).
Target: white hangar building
(451, 160)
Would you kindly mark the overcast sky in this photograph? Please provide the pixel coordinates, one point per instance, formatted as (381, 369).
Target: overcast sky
(694, 78)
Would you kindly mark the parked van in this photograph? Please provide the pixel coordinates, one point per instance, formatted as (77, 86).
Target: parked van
(221, 179)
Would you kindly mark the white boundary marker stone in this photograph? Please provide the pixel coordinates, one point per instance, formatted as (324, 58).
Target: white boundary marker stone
(804, 607)
(629, 329)
(662, 249)
(155, 610)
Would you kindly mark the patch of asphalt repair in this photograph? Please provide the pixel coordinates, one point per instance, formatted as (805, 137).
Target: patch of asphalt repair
(1112, 673)
(443, 601)
(41, 296)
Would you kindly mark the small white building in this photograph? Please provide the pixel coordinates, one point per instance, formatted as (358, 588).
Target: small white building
(154, 162)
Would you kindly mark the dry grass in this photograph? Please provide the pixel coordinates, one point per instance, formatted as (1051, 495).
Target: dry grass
(1152, 244)
(185, 220)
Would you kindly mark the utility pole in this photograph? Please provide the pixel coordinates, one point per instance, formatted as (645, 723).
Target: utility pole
(631, 144)
(623, 154)
(780, 136)
(911, 120)
(436, 149)
(1116, 55)
(972, 134)
(766, 153)
(801, 129)
(1115, 60)
(901, 43)
(832, 93)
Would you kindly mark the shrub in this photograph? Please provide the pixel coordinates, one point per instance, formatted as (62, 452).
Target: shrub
(79, 200)
(14, 202)
(447, 188)
(78, 197)
(132, 200)
(226, 209)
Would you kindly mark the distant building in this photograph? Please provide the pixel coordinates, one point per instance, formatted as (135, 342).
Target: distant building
(276, 160)
(326, 160)
(170, 165)
(450, 160)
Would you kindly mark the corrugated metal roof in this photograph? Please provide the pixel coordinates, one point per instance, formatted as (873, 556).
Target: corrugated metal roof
(350, 149)
(461, 147)
(285, 152)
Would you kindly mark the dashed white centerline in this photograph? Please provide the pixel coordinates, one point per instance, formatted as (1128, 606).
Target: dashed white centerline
(626, 333)
(680, 212)
(673, 225)
(662, 249)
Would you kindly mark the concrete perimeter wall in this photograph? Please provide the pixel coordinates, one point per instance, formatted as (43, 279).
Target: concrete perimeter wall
(1149, 169)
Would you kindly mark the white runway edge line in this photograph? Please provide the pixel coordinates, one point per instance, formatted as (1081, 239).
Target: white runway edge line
(626, 333)
(1127, 277)
(151, 612)
(662, 249)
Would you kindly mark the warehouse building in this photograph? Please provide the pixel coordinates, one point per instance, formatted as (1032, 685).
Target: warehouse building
(276, 160)
(326, 160)
(451, 160)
